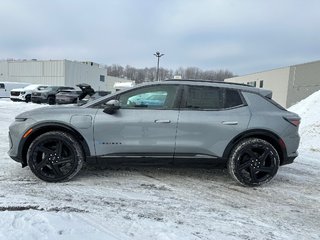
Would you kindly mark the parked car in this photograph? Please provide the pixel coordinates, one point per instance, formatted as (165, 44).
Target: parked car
(24, 94)
(237, 124)
(48, 94)
(73, 96)
(67, 96)
(6, 87)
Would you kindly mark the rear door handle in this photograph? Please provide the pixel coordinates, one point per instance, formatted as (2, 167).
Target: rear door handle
(229, 123)
(162, 121)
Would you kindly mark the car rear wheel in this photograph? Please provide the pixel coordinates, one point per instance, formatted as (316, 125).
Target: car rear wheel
(253, 162)
(55, 156)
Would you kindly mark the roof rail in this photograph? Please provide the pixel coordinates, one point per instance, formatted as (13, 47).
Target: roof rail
(208, 81)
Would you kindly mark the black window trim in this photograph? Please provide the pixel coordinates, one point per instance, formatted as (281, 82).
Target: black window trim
(183, 106)
(176, 104)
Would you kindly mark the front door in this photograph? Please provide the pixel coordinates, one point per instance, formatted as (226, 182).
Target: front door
(145, 124)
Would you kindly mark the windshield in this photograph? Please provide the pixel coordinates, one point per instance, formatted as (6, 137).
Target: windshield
(30, 87)
(42, 87)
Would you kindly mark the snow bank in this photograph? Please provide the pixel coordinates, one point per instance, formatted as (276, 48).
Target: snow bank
(309, 129)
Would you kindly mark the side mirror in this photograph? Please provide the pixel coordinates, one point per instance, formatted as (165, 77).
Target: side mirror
(111, 106)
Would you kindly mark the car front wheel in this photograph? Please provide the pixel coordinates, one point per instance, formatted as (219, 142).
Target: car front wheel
(28, 98)
(55, 156)
(51, 100)
(253, 162)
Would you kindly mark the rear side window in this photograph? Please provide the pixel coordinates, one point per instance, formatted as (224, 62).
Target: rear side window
(212, 98)
(204, 98)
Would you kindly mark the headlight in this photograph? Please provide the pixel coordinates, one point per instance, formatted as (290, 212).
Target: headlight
(23, 92)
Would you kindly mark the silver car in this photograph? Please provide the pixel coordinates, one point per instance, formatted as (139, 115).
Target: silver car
(186, 119)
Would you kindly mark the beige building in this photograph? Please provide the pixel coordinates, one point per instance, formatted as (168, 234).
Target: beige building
(288, 84)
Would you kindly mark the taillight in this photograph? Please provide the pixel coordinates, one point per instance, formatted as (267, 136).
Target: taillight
(293, 120)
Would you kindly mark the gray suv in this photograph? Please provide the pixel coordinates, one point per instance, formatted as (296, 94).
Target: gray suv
(48, 94)
(172, 120)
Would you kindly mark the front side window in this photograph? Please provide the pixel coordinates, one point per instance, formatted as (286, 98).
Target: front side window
(154, 97)
(1, 86)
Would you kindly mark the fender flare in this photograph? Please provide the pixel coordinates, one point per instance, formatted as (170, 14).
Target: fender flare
(267, 135)
(40, 128)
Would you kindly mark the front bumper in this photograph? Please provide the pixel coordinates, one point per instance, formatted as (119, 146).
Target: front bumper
(18, 98)
(13, 151)
(16, 131)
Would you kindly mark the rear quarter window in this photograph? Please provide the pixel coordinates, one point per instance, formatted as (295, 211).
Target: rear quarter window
(232, 98)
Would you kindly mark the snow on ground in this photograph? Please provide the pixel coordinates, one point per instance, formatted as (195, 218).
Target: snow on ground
(139, 202)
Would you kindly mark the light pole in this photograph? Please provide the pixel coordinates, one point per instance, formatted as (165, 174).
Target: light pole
(158, 55)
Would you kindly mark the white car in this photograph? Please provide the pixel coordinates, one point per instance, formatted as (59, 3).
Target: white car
(24, 94)
(6, 87)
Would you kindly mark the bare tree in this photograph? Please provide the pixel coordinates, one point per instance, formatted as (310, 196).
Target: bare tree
(149, 74)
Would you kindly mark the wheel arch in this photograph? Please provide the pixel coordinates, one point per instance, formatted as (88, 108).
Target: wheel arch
(266, 135)
(48, 127)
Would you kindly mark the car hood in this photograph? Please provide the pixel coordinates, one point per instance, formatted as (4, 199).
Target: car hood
(50, 112)
(17, 90)
(44, 91)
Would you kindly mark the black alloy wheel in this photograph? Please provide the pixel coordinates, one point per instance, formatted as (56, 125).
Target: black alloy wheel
(55, 156)
(253, 162)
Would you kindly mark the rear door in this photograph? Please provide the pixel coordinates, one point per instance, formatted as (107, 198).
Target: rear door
(209, 119)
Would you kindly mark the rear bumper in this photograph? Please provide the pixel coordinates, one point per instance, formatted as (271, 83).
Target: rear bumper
(290, 159)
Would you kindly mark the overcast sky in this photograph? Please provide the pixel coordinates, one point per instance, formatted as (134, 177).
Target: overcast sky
(242, 36)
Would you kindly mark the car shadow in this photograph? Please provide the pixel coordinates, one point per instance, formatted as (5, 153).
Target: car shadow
(157, 169)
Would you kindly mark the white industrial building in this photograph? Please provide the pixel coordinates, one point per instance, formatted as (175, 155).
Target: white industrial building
(115, 83)
(288, 84)
(54, 72)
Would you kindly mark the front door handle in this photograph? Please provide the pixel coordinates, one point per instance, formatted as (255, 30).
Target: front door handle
(229, 123)
(162, 121)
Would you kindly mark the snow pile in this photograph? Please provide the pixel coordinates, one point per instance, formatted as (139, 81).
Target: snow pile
(309, 129)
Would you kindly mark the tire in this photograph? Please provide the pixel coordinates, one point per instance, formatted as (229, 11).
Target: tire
(55, 156)
(28, 98)
(51, 100)
(253, 162)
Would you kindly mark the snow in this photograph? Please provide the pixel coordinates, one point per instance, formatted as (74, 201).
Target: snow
(152, 202)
